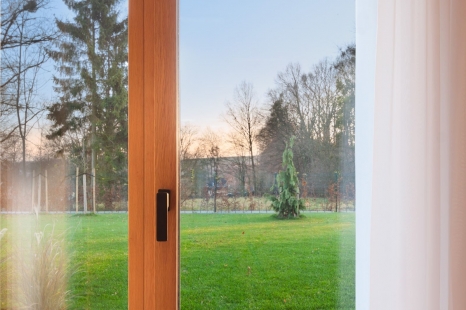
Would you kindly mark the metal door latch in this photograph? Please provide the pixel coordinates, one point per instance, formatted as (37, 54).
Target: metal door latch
(162, 206)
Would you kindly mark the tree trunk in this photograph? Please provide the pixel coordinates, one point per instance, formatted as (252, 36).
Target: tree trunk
(93, 190)
(77, 188)
(46, 192)
(215, 190)
(33, 189)
(84, 193)
(94, 102)
(39, 192)
(22, 133)
(253, 170)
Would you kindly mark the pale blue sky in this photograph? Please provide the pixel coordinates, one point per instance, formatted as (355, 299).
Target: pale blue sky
(224, 42)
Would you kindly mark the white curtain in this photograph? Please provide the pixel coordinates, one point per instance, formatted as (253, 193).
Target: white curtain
(418, 210)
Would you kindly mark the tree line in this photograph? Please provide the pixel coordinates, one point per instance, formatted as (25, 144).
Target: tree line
(86, 122)
(315, 107)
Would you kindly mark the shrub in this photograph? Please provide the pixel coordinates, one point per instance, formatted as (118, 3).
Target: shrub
(287, 203)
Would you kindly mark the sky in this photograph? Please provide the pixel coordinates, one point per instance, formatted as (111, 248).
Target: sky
(222, 43)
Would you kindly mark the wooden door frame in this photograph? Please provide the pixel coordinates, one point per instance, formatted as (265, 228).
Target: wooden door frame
(152, 152)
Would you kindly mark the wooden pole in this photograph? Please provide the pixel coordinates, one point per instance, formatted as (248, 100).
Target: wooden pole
(77, 188)
(32, 194)
(46, 193)
(39, 191)
(93, 189)
(84, 193)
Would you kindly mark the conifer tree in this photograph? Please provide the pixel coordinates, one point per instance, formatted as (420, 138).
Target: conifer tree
(287, 204)
(272, 138)
(91, 59)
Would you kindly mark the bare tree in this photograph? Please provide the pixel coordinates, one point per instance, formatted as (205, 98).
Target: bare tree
(244, 117)
(188, 141)
(238, 162)
(25, 39)
(10, 149)
(189, 161)
(313, 102)
(320, 90)
(210, 145)
(27, 108)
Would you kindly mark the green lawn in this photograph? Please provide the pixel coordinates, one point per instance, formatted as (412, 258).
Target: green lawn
(254, 261)
(228, 261)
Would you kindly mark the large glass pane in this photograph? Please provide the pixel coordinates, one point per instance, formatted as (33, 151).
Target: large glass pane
(267, 154)
(63, 154)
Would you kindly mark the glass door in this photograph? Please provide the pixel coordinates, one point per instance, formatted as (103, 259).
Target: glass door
(266, 150)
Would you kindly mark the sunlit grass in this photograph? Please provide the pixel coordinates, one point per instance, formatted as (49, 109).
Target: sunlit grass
(228, 261)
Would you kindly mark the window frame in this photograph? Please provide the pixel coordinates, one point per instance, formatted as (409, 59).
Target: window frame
(366, 40)
(152, 152)
(153, 31)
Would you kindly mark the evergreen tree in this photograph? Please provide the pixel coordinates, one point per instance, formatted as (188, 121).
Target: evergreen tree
(288, 203)
(91, 58)
(272, 138)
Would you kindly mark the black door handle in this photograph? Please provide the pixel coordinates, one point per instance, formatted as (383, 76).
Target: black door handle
(162, 206)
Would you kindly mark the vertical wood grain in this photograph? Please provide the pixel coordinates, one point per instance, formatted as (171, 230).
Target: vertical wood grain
(165, 144)
(136, 155)
(149, 153)
(153, 160)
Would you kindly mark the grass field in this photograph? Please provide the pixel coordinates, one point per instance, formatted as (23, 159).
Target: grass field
(228, 261)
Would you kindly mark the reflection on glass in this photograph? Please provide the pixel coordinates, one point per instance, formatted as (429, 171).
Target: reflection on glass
(63, 155)
(267, 155)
